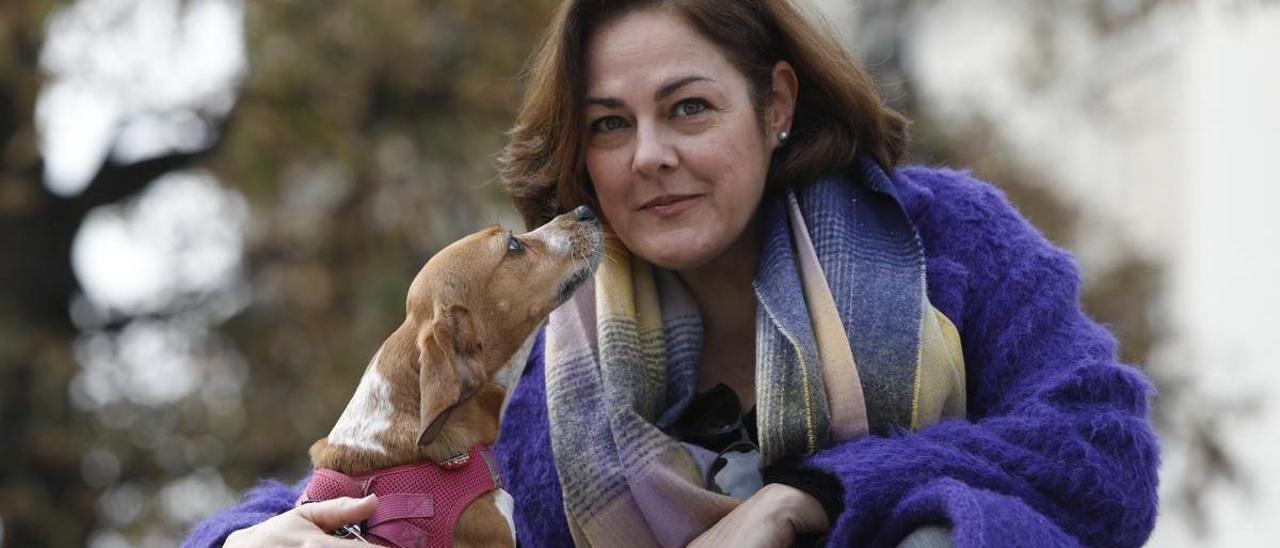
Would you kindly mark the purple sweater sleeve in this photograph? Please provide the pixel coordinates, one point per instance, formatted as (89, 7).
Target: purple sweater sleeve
(264, 501)
(1057, 449)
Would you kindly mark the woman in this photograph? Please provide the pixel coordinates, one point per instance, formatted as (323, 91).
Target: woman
(793, 340)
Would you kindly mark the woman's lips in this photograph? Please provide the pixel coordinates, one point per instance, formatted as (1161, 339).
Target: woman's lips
(666, 207)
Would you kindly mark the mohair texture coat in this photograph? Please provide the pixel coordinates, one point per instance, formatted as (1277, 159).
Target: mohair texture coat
(1057, 449)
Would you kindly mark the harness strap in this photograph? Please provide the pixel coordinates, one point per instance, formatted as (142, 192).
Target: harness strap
(401, 506)
(391, 522)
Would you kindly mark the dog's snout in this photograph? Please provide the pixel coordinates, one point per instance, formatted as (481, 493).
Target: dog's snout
(583, 213)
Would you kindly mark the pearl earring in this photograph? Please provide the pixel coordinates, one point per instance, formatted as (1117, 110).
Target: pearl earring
(782, 136)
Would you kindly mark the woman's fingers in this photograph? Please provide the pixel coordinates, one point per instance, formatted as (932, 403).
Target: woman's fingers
(307, 525)
(805, 512)
(771, 518)
(332, 514)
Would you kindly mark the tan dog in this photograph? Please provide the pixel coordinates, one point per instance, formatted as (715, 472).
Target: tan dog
(429, 392)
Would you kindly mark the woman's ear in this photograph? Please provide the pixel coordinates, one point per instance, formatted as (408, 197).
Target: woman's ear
(781, 107)
(450, 368)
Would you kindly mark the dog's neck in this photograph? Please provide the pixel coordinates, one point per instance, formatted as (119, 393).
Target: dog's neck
(381, 425)
(473, 421)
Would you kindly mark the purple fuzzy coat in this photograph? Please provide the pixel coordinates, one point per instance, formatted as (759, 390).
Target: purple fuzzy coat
(1057, 449)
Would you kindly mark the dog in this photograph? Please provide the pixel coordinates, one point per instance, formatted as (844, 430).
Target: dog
(427, 408)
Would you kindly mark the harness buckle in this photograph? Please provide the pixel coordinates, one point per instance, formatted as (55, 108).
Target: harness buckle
(455, 462)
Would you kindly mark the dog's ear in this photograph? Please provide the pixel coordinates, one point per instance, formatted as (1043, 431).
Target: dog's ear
(450, 367)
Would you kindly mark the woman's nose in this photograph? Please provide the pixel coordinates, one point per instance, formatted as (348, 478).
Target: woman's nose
(654, 151)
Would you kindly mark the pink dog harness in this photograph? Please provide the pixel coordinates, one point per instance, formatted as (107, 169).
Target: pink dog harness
(418, 504)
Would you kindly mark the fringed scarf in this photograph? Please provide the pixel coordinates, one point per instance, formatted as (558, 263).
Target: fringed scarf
(846, 344)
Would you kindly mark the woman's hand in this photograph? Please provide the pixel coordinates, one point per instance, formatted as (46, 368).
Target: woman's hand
(770, 518)
(307, 525)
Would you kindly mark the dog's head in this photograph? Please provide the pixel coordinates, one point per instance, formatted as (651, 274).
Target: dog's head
(478, 299)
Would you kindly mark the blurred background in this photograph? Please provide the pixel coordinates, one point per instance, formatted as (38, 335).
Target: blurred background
(210, 211)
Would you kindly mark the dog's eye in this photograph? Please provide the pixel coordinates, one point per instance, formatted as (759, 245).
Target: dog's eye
(514, 245)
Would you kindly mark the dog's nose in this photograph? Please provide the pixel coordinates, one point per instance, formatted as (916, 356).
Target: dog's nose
(583, 213)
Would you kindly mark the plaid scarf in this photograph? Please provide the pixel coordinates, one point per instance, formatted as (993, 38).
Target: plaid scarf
(846, 344)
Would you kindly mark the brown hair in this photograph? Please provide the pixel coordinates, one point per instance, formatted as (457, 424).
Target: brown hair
(837, 109)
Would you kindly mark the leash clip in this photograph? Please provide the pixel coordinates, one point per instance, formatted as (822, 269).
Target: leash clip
(349, 531)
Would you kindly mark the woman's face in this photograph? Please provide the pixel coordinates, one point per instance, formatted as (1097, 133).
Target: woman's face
(675, 148)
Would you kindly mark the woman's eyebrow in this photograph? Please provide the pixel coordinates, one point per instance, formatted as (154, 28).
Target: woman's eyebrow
(671, 87)
(609, 102)
(666, 89)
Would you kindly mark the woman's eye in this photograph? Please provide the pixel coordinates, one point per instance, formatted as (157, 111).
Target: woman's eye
(514, 245)
(689, 107)
(607, 124)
